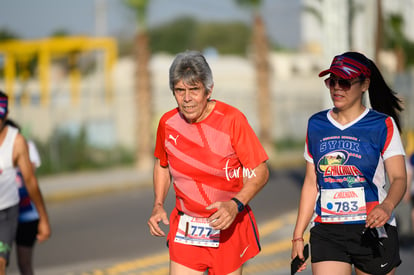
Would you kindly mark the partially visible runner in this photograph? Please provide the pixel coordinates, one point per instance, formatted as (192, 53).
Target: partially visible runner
(28, 215)
(14, 154)
(350, 150)
(217, 164)
(28, 219)
(409, 195)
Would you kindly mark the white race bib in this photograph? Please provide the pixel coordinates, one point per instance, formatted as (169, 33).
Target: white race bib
(196, 231)
(343, 205)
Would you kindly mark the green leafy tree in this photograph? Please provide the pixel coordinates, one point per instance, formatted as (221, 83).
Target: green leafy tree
(6, 34)
(174, 37)
(188, 33)
(60, 33)
(227, 38)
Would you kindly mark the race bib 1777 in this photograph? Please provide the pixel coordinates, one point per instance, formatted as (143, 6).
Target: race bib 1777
(196, 231)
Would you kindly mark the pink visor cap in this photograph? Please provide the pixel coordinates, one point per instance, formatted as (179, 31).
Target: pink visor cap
(346, 68)
(3, 106)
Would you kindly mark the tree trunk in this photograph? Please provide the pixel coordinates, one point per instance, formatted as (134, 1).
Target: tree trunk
(400, 57)
(261, 61)
(380, 31)
(144, 135)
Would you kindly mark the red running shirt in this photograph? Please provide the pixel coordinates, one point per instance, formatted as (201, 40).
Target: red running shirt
(209, 159)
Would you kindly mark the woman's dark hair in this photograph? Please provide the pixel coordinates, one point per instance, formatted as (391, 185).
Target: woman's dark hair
(13, 123)
(382, 98)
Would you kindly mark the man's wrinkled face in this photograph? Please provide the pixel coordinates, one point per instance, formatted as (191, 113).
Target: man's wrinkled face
(192, 100)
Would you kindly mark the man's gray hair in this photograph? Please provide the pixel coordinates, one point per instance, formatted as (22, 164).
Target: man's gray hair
(191, 67)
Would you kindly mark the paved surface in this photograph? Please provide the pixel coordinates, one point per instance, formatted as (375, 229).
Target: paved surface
(71, 185)
(274, 258)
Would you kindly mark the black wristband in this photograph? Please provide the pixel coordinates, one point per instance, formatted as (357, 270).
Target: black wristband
(240, 205)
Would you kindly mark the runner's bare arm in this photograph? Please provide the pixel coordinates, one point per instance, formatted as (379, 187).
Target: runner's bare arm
(22, 160)
(395, 167)
(227, 210)
(162, 181)
(254, 183)
(306, 207)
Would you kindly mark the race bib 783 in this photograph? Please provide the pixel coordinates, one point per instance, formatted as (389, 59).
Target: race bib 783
(343, 205)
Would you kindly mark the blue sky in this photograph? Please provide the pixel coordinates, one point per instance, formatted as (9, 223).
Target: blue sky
(32, 19)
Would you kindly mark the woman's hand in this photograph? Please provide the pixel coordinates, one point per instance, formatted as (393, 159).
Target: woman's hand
(297, 250)
(379, 215)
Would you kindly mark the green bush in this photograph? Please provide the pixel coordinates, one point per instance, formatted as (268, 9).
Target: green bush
(65, 153)
(288, 144)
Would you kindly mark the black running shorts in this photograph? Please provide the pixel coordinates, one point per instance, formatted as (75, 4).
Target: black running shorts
(346, 243)
(26, 233)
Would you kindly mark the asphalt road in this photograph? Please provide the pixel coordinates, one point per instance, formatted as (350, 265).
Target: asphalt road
(108, 234)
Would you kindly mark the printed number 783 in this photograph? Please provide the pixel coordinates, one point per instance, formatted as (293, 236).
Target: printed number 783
(346, 206)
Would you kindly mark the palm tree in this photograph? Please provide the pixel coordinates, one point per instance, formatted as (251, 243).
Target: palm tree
(397, 40)
(353, 9)
(390, 35)
(379, 31)
(143, 85)
(261, 62)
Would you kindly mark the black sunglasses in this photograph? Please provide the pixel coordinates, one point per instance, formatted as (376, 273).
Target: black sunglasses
(344, 84)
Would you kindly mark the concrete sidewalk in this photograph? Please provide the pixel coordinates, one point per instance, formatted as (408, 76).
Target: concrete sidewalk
(78, 184)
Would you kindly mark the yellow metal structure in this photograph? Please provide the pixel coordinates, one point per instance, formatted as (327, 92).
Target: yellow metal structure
(409, 147)
(46, 49)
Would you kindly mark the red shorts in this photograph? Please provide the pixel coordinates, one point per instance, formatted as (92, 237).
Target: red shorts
(238, 243)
